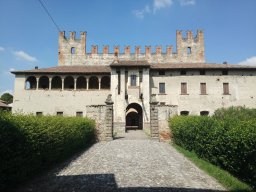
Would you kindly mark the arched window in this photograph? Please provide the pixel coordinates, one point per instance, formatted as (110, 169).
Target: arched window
(56, 83)
(69, 82)
(43, 82)
(105, 82)
(185, 113)
(30, 83)
(204, 113)
(81, 83)
(189, 51)
(93, 82)
(73, 50)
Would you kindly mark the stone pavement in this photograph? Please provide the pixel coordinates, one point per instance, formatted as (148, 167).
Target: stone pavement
(126, 165)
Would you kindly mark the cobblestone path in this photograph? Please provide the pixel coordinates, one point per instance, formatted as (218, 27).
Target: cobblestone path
(126, 165)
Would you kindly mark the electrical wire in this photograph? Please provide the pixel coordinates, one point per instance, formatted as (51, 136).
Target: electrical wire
(48, 13)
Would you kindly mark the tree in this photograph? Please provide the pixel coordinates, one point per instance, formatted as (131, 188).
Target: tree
(7, 97)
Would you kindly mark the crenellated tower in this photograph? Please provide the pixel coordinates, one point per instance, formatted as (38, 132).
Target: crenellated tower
(71, 48)
(190, 49)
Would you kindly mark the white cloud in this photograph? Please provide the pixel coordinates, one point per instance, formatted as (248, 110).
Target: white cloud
(140, 13)
(25, 56)
(2, 49)
(187, 2)
(249, 61)
(159, 4)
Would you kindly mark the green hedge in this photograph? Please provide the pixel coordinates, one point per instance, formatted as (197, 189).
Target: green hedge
(228, 139)
(29, 144)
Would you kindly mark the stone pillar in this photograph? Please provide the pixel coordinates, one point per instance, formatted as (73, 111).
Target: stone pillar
(87, 83)
(99, 79)
(62, 84)
(109, 119)
(50, 83)
(37, 83)
(75, 83)
(154, 130)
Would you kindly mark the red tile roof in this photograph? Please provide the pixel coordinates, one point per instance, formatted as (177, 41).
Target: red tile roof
(129, 63)
(107, 69)
(69, 69)
(199, 66)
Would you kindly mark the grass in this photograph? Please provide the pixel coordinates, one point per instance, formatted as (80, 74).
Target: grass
(223, 177)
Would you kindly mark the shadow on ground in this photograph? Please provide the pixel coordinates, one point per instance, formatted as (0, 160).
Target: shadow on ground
(96, 183)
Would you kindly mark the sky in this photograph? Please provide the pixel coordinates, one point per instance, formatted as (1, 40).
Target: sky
(28, 37)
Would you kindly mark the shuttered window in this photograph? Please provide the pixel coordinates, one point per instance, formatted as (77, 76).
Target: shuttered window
(133, 80)
(183, 88)
(161, 88)
(225, 88)
(203, 88)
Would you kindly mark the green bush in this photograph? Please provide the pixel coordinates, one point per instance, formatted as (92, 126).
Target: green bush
(228, 139)
(29, 144)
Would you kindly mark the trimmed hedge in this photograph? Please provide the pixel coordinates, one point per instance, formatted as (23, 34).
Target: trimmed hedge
(29, 144)
(227, 139)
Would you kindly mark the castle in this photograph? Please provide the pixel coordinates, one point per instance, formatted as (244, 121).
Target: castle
(124, 90)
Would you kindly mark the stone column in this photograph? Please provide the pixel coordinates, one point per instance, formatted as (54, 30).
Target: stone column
(62, 84)
(87, 83)
(75, 83)
(50, 83)
(109, 119)
(99, 79)
(37, 83)
(154, 130)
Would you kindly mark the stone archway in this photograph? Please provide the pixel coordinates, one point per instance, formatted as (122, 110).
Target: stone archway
(134, 117)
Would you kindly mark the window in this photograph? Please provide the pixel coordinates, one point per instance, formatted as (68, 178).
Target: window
(161, 88)
(202, 72)
(225, 72)
(73, 50)
(43, 82)
(183, 88)
(105, 82)
(203, 88)
(39, 113)
(79, 113)
(133, 80)
(225, 89)
(204, 113)
(183, 72)
(59, 113)
(189, 50)
(185, 113)
(161, 72)
(30, 83)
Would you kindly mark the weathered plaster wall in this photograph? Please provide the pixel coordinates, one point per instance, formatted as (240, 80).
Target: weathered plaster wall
(241, 87)
(52, 101)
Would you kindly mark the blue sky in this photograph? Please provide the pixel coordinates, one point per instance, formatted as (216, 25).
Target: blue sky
(28, 38)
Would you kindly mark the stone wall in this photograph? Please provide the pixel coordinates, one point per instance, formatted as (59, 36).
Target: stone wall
(164, 113)
(72, 51)
(97, 113)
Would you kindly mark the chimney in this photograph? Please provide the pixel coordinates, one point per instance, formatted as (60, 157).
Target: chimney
(36, 67)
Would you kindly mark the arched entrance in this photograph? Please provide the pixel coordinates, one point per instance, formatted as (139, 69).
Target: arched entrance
(134, 117)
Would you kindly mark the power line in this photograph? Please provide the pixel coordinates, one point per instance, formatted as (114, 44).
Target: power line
(48, 13)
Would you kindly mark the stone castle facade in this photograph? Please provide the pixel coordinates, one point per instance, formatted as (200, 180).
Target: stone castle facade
(143, 89)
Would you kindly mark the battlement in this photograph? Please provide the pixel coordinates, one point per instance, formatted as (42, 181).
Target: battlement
(189, 49)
